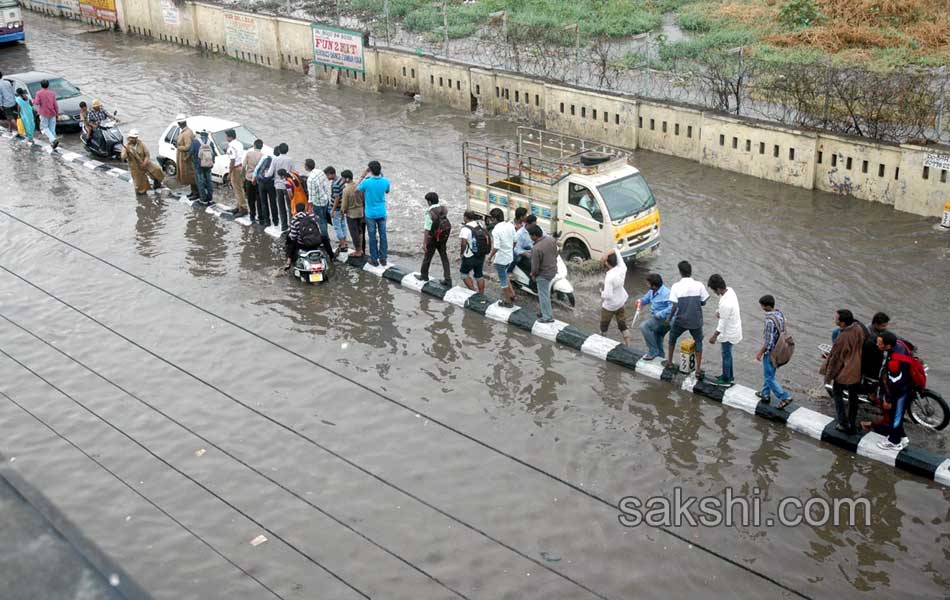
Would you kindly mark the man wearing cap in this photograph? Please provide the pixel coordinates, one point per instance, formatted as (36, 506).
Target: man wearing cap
(186, 168)
(140, 164)
(95, 118)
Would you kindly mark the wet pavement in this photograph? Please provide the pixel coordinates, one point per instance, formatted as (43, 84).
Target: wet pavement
(434, 453)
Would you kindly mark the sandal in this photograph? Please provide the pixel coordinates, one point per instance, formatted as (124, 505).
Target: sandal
(784, 403)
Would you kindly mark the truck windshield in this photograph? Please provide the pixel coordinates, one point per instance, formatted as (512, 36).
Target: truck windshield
(627, 196)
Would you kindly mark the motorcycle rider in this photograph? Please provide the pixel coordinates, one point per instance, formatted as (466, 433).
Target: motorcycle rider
(311, 238)
(94, 121)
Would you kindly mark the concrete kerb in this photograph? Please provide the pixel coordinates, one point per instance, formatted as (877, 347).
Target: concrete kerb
(802, 420)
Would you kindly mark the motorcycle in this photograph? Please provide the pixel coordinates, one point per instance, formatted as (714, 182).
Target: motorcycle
(561, 289)
(107, 143)
(927, 408)
(312, 266)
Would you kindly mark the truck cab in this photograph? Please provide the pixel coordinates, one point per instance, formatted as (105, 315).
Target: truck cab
(586, 193)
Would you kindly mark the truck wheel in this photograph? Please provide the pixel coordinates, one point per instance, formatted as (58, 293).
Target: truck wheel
(575, 252)
(170, 168)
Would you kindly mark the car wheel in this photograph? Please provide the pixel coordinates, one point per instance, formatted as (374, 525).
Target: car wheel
(170, 168)
(575, 252)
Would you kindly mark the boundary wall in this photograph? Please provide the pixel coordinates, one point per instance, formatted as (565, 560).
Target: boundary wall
(908, 177)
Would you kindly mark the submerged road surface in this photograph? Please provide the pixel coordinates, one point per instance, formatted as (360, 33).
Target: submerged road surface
(388, 445)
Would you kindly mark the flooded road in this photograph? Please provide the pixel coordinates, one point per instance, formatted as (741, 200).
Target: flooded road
(449, 456)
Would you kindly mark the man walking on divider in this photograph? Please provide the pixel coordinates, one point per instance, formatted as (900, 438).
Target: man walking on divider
(843, 369)
(543, 269)
(503, 254)
(774, 328)
(688, 297)
(656, 326)
(436, 230)
(728, 329)
(46, 106)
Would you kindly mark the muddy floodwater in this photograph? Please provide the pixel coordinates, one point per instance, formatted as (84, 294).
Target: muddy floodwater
(395, 446)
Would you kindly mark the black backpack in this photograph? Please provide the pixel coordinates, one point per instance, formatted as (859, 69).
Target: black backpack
(309, 233)
(441, 227)
(479, 244)
(267, 160)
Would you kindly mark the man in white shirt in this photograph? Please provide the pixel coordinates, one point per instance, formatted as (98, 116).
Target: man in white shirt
(614, 295)
(503, 253)
(236, 166)
(729, 329)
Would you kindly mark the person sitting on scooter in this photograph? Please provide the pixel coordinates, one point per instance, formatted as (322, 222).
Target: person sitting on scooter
(94, 119)
(305, 234)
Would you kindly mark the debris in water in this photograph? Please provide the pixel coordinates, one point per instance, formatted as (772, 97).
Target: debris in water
(548, 556)
(325, 422)
(114, 580)
(258, 540)
(200, 452)
(344, 345)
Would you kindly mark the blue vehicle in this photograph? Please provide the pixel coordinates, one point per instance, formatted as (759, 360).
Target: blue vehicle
(11, 22)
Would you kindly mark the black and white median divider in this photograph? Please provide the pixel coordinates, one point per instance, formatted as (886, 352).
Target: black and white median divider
(803, 420)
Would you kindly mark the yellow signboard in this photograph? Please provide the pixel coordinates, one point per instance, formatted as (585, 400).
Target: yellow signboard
(100, 10)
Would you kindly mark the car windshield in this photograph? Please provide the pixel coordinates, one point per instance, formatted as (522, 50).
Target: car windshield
(627, 196)
(63, 88)
(243, 135)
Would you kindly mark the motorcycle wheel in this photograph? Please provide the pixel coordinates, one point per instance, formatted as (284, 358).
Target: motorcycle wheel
(929, 410)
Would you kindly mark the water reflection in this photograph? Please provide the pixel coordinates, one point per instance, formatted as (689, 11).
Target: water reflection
(149, 222)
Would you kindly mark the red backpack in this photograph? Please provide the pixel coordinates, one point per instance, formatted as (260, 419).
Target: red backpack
(917, 372)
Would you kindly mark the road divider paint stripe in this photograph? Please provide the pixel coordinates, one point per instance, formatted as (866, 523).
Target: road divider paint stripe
(808, 422)
(868, 446)
(802, 420)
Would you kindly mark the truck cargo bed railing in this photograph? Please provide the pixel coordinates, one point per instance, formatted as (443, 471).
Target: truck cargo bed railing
(529, 176)
(547, 143)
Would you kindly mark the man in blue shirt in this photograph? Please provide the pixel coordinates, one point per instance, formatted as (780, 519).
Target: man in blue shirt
(375, 187)
(654, 329)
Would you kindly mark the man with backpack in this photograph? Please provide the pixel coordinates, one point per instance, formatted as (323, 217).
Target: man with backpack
(503, 253)
(901, 375)
(202, 154)
(475, 245)
(777, 348)
(304, 234)
(843, 369)
(435, 237)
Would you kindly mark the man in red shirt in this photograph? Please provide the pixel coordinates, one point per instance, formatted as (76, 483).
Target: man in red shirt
(48, 109)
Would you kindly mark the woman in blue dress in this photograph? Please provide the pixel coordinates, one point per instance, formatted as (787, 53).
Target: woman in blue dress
(26, 113)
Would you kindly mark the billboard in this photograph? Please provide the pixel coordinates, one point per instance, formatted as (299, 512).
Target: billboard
(339, 48)
(241, 34)
(100, 10)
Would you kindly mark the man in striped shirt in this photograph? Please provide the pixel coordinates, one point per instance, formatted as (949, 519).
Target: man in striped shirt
(320, 190)
(336, 215)
(774, 325)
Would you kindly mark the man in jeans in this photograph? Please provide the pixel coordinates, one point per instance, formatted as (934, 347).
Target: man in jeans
(688, 297)
(502, 253)
(201, 150)
(774, 325)
(48, 109)
(375, 187)
(655, 328)
(543, 269)
(728, 329)
(266, 192)
(430, 241)
(319, 190)
(843, 369)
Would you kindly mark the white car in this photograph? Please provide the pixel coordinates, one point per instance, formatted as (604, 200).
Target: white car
(168, 153)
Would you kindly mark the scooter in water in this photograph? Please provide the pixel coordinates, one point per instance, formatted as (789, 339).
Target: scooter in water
(926, 407)
(561, 289)
(106, 141)
(312, 266)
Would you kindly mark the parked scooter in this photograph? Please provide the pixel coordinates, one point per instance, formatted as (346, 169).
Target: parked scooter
(927, 408)
(106, 141)
(561, 289)
(312, 266)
